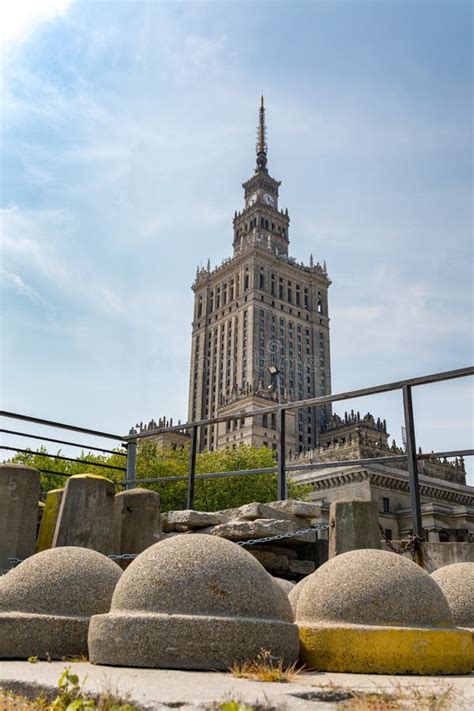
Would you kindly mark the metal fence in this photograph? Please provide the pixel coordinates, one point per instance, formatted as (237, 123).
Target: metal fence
(282, 469)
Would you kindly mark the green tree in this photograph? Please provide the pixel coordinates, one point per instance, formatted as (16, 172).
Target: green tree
(154, 462)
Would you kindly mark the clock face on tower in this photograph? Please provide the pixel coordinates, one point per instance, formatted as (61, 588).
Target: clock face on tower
(268, 199)
(252, 199)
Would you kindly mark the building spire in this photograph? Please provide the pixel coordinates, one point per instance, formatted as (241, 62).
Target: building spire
(262, 146)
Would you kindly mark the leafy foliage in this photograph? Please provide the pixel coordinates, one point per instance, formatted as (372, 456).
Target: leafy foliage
(154, 462)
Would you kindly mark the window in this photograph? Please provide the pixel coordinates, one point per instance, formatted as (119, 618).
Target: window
(388, 534)
(386, 504)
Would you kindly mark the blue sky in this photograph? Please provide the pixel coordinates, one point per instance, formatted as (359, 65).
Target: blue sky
(127, 130)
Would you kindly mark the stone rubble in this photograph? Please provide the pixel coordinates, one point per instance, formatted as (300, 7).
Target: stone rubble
(292, 557)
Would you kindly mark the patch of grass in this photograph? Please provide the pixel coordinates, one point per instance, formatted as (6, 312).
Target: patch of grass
(266, 668)
(70, 697)
(401, 699)
(231, 704)
(76, 659)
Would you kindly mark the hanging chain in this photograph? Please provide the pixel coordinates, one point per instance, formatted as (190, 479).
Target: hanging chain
(282, 536)
(412, 543)
(250, 542)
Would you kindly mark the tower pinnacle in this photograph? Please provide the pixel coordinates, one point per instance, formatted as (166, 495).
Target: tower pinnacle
(262, 146)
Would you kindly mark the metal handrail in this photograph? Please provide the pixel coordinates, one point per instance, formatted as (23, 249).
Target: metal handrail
(131, 440)
(311, 402)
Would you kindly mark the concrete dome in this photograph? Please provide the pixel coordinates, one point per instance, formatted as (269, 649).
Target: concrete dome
(373, 587)
(194, 602)
(294, 594)
(377, 612)
(46, 602)
(457, 583)
(286, 585)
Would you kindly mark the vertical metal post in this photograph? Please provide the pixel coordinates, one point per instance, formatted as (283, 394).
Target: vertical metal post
(282, 492)
(131, 473)
(412, 461)
(192, 467)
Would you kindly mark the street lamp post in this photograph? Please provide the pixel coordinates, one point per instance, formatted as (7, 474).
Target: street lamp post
(282, 487)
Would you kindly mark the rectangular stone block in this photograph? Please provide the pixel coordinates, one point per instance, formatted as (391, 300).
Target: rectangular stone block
(86, 514)
(353, 524)
(137, 520)
(302, 567)
(49, 519)
(188, 519)
(301, 509)
(19, 494)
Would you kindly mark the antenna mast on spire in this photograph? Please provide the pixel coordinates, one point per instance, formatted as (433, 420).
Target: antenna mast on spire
(262, 145)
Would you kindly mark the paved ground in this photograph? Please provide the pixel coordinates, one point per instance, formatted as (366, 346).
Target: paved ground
(164, 689)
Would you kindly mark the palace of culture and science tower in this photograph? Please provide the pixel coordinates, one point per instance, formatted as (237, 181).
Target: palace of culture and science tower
(260, 308)
(260, 332)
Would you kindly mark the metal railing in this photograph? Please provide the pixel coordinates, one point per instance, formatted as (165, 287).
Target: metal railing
(130, 441)
(69, 428)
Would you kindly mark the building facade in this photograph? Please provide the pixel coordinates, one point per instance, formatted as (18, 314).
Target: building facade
(260, 309)
(447, 501)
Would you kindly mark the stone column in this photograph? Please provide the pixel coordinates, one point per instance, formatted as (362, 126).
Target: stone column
(19, 494)
(49, 519)
(433, 536)
(137, 520)
(86, 514)
(353, 524)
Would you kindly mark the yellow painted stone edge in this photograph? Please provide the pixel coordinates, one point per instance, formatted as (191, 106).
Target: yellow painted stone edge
(90, 476)
(49, 520)
(387, 650)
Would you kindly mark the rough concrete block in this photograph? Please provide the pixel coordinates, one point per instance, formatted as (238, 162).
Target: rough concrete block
(86, 514)
(271, 562)
(302, 567)
(49, 519)
(301, 509)
(260, 528)
(188, 519)
(137, 520)
(353, 524)
(19, 494)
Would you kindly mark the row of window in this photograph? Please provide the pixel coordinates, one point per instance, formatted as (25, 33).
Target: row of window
(276, 286)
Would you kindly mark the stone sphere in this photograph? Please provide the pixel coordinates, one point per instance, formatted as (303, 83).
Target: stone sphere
(457, 583)
(371, 611)
(46, 602)
(194, 602)
(373, 587)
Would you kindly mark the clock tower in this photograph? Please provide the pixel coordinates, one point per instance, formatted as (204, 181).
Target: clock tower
(257, 312)
(261, 217)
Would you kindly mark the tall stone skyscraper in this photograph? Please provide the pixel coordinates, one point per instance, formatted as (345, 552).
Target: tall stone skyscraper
(260, 308)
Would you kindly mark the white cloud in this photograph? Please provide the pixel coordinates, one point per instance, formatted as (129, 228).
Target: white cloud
(18, 19)
(22, 288)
